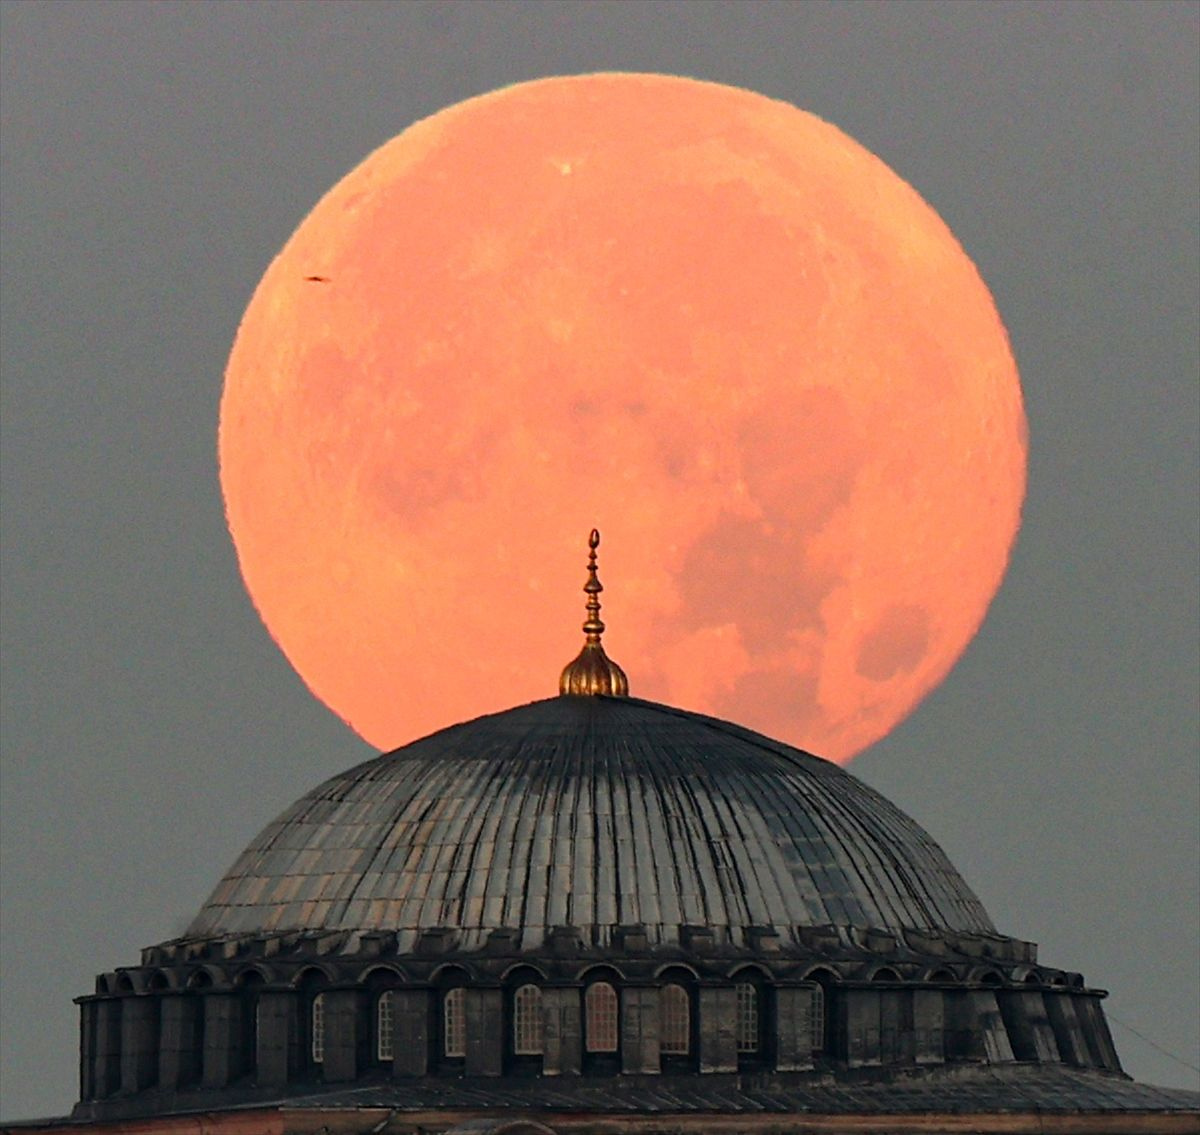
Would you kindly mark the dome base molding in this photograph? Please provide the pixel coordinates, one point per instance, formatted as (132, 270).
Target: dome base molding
(1020, 1100)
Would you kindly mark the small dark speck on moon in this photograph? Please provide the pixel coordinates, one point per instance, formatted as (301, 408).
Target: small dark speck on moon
(316, 279)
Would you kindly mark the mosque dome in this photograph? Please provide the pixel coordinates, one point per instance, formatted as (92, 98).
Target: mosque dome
(497, 920)
(594, 813)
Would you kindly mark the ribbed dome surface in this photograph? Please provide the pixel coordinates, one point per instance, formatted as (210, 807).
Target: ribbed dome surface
(591, 812)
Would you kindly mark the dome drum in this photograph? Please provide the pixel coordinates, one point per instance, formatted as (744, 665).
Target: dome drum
(236, 1018)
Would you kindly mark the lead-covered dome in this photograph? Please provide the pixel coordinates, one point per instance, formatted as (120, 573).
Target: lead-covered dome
(595, 813)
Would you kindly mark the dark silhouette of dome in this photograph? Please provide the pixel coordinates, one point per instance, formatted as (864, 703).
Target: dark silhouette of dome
(503, 916)
(591, 812)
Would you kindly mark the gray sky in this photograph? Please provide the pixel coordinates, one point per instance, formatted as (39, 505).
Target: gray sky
(155, 158)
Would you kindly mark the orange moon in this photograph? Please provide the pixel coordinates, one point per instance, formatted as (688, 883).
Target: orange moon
(704, 321)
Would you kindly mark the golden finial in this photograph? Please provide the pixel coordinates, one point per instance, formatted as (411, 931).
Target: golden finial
(593, 672)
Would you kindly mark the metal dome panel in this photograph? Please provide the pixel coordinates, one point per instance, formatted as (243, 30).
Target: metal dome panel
(590, 812)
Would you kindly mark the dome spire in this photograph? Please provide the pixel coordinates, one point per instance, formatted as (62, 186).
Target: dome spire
(592, 671)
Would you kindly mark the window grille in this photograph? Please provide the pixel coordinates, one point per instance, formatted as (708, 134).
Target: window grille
(454, 1023)
(527, 1021)
(384, 1026)
(674, 1021)
(747, 1017)
(317, 1020)
(600, 1013)
(818, 1019)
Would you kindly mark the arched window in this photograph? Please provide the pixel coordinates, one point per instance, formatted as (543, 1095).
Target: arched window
(818, 1017)
(193, 1073)
(385, 1024)
(749, 1013)
(317, 1029)
(454, 1022)
(110, 1034)
(674, 1020)
(148, 1077)
(249, 1008)
(527, 1021)
(600, 1017)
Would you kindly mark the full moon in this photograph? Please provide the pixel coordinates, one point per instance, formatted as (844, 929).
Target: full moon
(703, 321)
